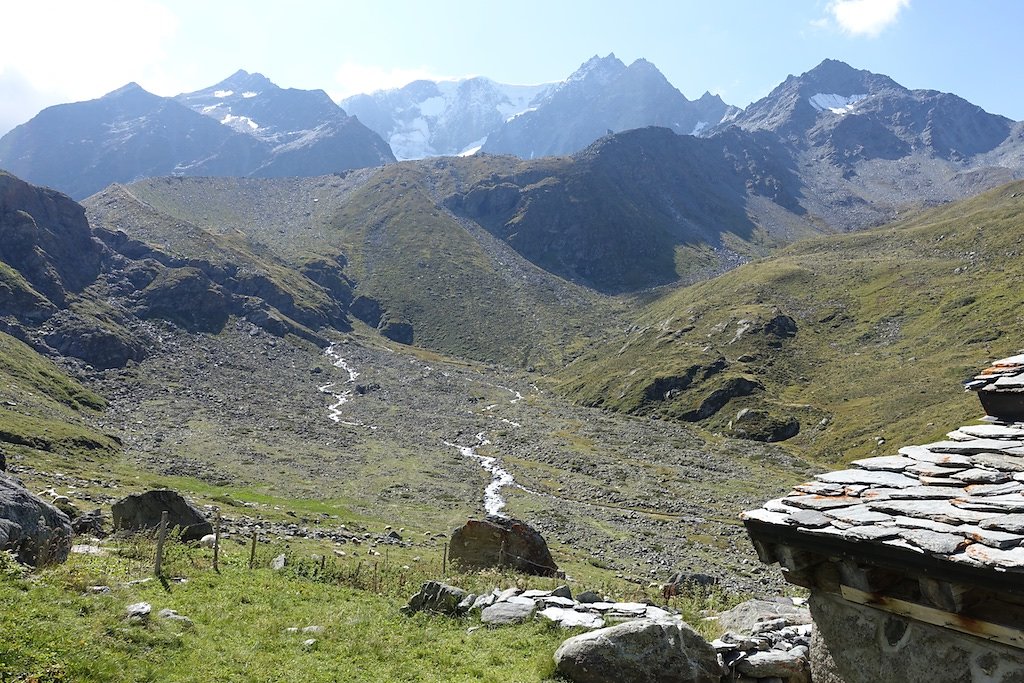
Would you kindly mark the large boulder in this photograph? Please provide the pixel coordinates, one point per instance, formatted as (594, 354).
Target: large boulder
(642, 651)
(502, 542)
(37, 532)
(141, 511)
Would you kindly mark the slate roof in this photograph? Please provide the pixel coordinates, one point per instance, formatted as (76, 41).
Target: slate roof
(959, 500)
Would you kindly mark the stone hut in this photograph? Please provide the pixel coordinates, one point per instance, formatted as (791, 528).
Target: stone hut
(915, 561)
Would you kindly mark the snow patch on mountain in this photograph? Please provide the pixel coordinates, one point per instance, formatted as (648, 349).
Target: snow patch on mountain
(243, 124)
(442, 118)
(837, 104)
(223, 93)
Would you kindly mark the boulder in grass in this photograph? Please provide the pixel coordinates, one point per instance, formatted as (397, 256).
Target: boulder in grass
(437, 597)
(502, 542)
(141, 512)
(34, 530)
(642, 651)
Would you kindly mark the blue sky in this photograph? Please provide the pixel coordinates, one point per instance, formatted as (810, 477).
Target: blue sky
(69, 50)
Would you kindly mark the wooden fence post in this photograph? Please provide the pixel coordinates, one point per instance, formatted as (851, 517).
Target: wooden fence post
(160, 538)
(252, 552)
(216, 540)
(444, 561)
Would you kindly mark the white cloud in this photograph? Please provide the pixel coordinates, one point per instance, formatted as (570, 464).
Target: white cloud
(81, 50)
(352, 78)
(866, 17)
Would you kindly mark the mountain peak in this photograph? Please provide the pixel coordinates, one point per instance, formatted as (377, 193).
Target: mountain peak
(243, 80)
(601, 66)
(128, 89)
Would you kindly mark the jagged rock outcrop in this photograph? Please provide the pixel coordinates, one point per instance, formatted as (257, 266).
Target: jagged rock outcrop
(37, 532)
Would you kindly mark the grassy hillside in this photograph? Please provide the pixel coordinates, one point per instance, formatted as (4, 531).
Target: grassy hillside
(885, 325)
(43, 412)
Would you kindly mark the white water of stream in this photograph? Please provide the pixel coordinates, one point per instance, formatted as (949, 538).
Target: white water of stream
(493, 500)
(346, 395)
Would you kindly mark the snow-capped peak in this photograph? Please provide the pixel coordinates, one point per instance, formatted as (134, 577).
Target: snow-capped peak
(837, 104)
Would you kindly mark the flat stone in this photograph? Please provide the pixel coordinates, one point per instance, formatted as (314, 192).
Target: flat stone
(931, 469)
(808, 518)
(923, 454)
(522, 600)
(1008, 559)
(773, 664)
(776, 505)
(957, 435)
(820, 488)
(569, 618)
(973, 446)
(1012, 502)
(501, 613)
(994, 489)
(903, 544)
(811, 502)
(858, 514)
(1010, 523)
(934, 542)
(637, 608)
(871, 533)
(556, 601)
(653, 612)
(868, 477)
(887, 463)
(914, 493)
(766, 516)
(991, 431)
(977, 475)
(1000, 461)
(533, 593)
(938, 510)
(939, 482)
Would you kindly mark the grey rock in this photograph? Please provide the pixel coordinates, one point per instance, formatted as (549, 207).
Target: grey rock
(138, 611)
(570, 618)
(858, 514)
(976, 475)
(973, 447)
(562, 591)
(503, 613)
(438, 597)
(888, 463)
(89, 524)
(935, 542)
(938, 510)
(496, 542)
(642, 651)
(744, 618)
(279, 562)
(142, 511)
(775, 663)
(588, 596)
(37, 532)
(172, 615)
(869, 477)
(1013, 523)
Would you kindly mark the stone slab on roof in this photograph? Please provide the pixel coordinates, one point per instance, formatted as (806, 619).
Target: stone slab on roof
(959, 500)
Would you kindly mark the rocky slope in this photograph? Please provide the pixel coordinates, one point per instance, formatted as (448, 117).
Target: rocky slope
(81, 148)
(867, 147)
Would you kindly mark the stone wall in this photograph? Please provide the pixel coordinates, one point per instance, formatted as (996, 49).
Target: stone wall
(857, 644)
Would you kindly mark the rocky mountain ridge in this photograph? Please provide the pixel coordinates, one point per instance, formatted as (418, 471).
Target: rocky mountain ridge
(129, 133)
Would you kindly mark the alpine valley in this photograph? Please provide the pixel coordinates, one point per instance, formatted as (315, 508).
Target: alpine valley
(651, 312)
